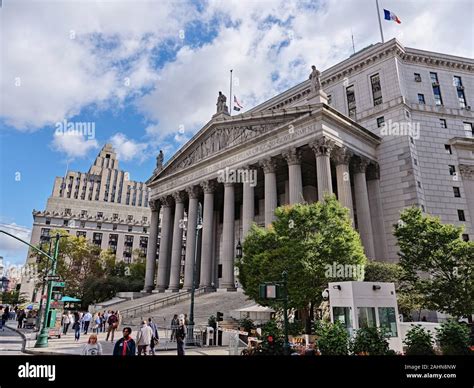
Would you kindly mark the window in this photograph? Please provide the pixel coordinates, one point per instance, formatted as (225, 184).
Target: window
(468, 128)
(67, 212)
(457, 192)
(115, 216)
(421, 98)
(436, 89)
(65, 222)
(351, 101)
(48, 221)
(130, 228)
(465, 237)
(447, 147)
(129, 218)
(100, 214)
(417, 77)
(329, 99)
(99, 225)
(380, 121)
(388, 320)
(144, 219)
(376, 89)
(343, 315)
(407, 114)
(366, 317)
(423, 208)
(97, 239)
(419, 184)
(114, 227)
(415, 161)
(412, 141)
(83, 213)
(83, 224)
(442, 122)
(461, 215)
(219, 271)
(452, 169)
(81, 234)
(145, 229)
(457, 82)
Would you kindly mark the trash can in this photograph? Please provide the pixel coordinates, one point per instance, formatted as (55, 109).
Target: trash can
(210, 336)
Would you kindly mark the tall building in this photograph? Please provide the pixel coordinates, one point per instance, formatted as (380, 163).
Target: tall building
(102, 205)
(387, 128)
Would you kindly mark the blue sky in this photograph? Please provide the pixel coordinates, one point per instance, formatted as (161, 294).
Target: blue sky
(147, 74)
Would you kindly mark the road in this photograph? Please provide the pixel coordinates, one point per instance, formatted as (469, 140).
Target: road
(10, 342)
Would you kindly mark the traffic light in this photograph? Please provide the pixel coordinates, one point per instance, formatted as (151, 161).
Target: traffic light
(219, 316)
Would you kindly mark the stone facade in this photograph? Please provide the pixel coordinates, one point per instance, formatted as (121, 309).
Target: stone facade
(102, 205)
(366, 136)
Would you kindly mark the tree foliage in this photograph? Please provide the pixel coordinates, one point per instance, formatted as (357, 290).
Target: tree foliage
(436, 262)
(304, 240)
(419, 342)
(333, 338)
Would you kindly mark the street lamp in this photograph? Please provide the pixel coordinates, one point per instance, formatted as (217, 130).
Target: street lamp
(42, 341)
(239, 250)
(193, 286)
(40, 310)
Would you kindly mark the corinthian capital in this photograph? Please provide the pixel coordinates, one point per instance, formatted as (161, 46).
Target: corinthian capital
(360, 164)
(322, 146)
(269, 165)
(467, 171)
(292, 156)
(193, 192)
(209, 186)
(166, 201)
(341, 155)
(179, 197)
(154, 205)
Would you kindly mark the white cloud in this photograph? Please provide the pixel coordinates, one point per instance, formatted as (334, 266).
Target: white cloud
(73, 144)
(11, 249)
(128, 149)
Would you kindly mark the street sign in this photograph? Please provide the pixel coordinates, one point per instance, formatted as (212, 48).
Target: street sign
(48, 278)
(59, 284)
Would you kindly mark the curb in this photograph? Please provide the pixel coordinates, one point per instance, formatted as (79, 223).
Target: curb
(22, 335)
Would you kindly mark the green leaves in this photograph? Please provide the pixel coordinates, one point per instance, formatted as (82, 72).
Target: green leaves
(437, 251)
(419, 342)
(303, 240)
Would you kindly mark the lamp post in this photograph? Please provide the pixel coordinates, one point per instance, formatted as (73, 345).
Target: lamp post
(286, 346)
(40, 310)
(193, 286)
(42, 341)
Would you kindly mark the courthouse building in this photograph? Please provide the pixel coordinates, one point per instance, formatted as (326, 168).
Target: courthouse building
(102, 205)
(387, 128)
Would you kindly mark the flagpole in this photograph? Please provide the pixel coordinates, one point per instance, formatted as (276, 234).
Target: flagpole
(230, 96)
(380, 21)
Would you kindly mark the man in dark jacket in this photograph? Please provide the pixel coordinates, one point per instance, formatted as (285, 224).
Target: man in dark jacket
(125, 346)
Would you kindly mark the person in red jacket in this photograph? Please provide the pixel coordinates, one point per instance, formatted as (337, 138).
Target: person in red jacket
(125, 346)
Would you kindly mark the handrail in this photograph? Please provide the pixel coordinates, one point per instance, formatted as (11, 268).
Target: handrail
(150, 306)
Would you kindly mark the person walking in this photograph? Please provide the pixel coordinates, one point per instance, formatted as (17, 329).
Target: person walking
(144, 337)
(113, 324)
(21, 318)
(180, 336)
(87, 317)
(174, 326)
(1, 318)
(66, 322)
(156, 337)
(96, 323)
(125, 346)
(104, 318)
(93, 347)
(77, 326)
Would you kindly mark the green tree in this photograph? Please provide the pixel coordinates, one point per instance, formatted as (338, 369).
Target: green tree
(453, 338)
(333, 338)
(305, 241)
(408, 298)
(436, 262)
(13, 297)
(370, 341)
(419, 342)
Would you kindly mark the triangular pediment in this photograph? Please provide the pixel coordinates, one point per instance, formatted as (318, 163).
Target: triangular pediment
(225, 132)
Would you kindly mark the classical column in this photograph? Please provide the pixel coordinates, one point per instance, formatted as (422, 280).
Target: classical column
(189, 265)
(207, 234)
(164, 256)
(248, 206)
(322, 148)
(467, 175)
(342, 157)
(228, 239)
(293, 158)
(362, 205)
(269, 168)
(376, 212)
(151, 249)
(177, 248)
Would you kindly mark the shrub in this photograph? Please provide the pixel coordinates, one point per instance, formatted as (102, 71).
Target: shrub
(453, 338)
(333, 339)
(247, 324)
(419, 341)
(272, 339)
(370, 341)
(212, 322)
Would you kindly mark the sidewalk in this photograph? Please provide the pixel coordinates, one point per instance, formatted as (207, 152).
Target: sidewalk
(66, 345)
